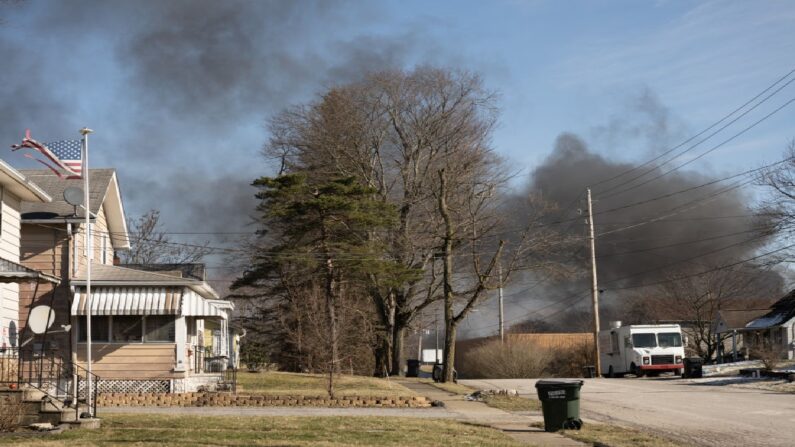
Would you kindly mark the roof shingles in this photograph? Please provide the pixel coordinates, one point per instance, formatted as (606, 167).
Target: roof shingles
(54, 186)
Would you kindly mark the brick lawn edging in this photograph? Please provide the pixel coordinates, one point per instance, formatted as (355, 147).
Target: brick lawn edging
(205, 399)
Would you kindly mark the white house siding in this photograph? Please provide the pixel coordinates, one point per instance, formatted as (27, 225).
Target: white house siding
(9, 249)
(98, 231)
(9, 242)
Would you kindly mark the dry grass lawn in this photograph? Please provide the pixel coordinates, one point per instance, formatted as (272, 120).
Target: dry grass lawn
(512, 403)
(615, 436)
(164, 431)
(450, 387)
(500, 401)
(292, 384)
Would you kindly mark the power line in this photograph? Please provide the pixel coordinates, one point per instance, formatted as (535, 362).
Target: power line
(585, 293)
(678, 244)
(714, 148)
(693, 188)
(647, 163)
(680, 209)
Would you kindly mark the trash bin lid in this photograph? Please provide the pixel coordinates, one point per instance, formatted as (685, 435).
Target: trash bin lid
(562, 383)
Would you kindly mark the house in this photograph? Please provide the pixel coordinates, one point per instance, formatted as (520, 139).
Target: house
(148, 323)
(775, 328)
(15, 189)
(729, 325)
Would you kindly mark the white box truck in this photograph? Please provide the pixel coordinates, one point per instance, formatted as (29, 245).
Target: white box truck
(641, 349)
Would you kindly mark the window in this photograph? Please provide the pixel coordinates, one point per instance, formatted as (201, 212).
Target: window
(670, 340)
(99, 329)
(159, 328)
(644, 340)
(104, 246)
(127, 328)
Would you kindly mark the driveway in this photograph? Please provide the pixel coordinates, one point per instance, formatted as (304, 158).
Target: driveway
(693, 411)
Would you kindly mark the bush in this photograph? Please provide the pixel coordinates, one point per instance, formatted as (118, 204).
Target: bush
(521, 359)
(10, 413)
(769, 353)
(509, 360)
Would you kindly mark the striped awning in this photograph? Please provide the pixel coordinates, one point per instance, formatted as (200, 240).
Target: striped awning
(129, 301)
(195, 306)
(145, 301)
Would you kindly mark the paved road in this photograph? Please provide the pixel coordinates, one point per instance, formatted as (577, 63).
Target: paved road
(694, 412)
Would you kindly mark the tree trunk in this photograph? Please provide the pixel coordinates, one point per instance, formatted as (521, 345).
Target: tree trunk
(383, 354)
(447, 278)
(331, 308)
(449, 353)
(332, 317)
(398, 334)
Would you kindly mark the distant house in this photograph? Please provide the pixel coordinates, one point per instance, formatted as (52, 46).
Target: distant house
(729, 325)
(776, 327)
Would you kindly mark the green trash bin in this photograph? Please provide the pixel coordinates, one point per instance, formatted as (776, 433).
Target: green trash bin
(560, 402)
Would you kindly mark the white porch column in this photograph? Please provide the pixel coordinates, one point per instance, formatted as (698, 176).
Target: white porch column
(181, 339)
(225, 338)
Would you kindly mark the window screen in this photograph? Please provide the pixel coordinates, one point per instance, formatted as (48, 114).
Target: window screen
(99, 329)
(159, 328)
(127, 328)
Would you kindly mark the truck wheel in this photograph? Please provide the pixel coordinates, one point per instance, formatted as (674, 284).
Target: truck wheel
(635, 371)
(610, 373)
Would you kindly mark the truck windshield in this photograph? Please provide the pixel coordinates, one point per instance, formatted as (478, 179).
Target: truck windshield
(644, 340)
(670, 340)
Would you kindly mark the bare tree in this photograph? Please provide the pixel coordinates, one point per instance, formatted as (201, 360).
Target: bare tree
(696, 300)
(780, 205)
(396, 132)
(390, 131)
(149, 244)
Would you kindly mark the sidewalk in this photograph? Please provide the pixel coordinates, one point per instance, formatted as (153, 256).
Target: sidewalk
(515, 425)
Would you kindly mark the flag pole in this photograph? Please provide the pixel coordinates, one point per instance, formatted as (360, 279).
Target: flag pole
(89, 385)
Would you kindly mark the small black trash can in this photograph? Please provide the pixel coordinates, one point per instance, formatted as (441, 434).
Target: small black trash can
(692, 367)
(413, 369)
(589, 372)
(560, 403)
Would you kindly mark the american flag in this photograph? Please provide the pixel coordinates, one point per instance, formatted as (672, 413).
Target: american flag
(66, 155)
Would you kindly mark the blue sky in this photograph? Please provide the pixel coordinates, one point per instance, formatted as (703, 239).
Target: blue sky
(178, 92)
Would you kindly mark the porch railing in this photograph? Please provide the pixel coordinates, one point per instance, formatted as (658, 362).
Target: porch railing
(45, 370)
(203, 362)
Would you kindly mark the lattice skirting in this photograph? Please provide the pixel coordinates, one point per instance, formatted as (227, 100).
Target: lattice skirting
(131, 386)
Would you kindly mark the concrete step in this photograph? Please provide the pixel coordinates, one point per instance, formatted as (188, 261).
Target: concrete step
(69, 414)
(53, 417)
(32, 394)
(51, 405)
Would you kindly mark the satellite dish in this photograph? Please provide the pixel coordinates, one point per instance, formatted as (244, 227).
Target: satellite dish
(73, 195)
(40, 319)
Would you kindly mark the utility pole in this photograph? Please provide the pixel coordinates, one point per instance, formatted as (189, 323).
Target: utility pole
(502, 310)
(594, 288)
